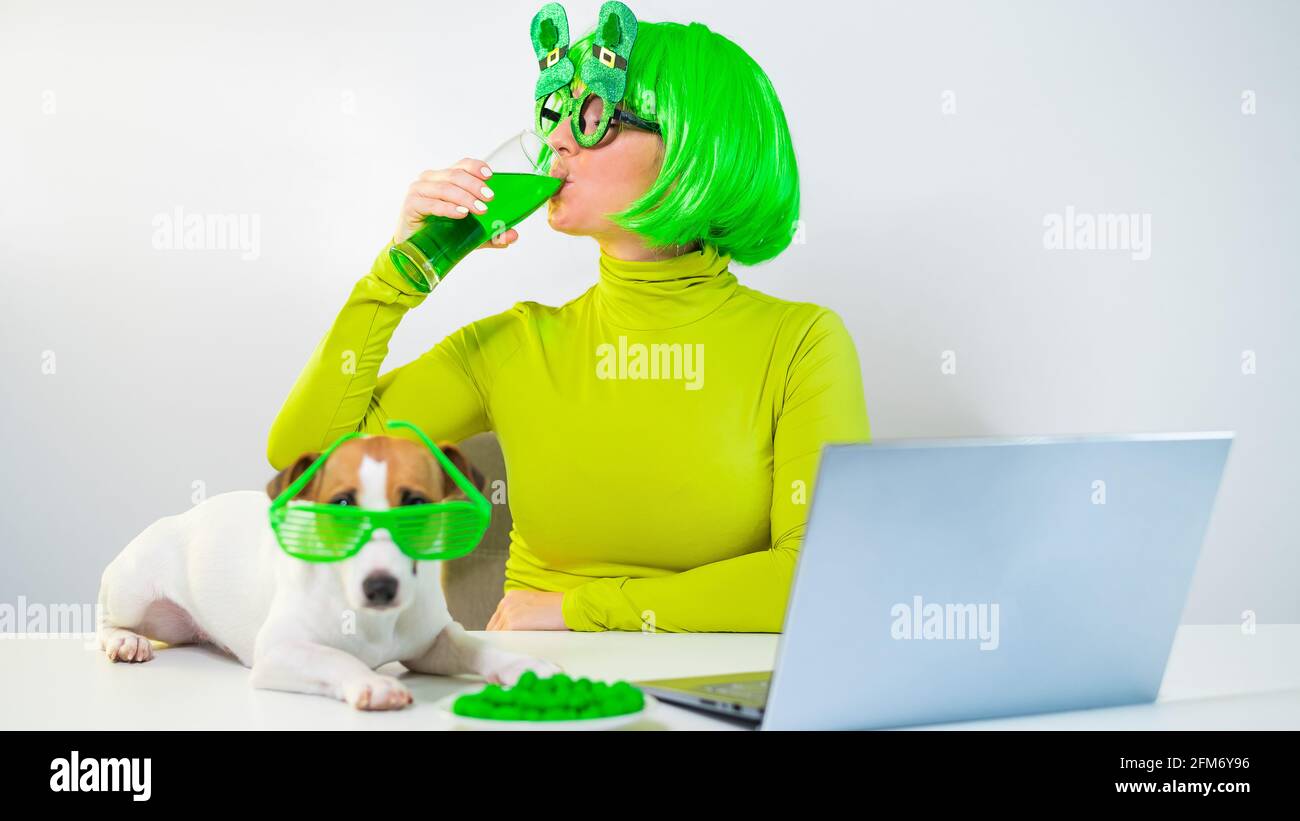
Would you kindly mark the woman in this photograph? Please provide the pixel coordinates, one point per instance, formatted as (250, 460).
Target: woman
(661, 431)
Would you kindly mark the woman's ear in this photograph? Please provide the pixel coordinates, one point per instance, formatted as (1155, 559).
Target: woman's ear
(290, 475)
(450, 489)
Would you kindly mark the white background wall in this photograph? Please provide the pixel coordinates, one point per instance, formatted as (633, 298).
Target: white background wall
(923, 227)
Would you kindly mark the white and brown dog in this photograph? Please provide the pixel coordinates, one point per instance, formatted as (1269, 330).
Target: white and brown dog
(216, 574)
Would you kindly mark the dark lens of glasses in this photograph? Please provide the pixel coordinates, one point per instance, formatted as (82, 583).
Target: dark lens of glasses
(592, 109)
(550, 113)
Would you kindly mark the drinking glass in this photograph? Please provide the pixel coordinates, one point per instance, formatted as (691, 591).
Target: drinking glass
(520, 183)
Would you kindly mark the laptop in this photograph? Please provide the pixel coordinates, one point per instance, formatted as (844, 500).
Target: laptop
(946, 580)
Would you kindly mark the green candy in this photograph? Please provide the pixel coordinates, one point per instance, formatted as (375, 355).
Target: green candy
(557, 698)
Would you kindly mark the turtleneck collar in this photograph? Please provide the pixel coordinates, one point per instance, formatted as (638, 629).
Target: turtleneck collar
(664, 293)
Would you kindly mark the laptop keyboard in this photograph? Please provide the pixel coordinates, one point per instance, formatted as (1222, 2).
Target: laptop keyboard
(739, 689)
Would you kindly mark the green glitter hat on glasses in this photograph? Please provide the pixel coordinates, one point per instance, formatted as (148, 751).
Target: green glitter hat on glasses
(604, 77)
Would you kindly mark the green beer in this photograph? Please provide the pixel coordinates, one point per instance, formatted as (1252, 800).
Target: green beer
(428, 254)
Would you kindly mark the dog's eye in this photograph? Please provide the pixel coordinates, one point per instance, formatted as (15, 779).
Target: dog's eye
(409, 498)
(344, 499)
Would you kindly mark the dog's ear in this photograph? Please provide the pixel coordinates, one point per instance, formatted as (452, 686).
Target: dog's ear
(291, 473)
(462, 464)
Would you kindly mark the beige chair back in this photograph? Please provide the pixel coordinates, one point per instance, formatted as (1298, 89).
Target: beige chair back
(474, 584)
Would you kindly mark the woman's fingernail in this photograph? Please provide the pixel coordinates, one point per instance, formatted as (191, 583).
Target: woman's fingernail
(485, 171)
(479, 205)
(462, 209)
(487, 193)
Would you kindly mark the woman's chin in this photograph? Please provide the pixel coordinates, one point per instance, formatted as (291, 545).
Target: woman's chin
(557, 217)
(564, 217)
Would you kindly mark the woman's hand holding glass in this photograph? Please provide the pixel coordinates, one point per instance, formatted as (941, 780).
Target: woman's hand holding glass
(453, 192)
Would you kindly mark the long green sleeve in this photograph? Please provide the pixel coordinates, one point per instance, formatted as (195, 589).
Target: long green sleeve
(340, 389)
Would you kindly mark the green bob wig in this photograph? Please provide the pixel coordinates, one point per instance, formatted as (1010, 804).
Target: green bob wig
(729, 177)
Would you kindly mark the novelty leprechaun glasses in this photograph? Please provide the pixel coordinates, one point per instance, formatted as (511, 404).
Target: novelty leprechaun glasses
(318, 532)
(589, 115)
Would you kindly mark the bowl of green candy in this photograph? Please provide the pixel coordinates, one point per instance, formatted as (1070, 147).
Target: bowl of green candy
(553, 703)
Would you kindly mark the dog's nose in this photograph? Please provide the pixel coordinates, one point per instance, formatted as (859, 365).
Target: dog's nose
(380, 589)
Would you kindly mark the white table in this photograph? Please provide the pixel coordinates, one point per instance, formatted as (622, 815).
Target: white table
(1217, 678)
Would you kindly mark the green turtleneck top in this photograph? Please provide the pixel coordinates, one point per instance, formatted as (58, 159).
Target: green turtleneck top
(661, 431)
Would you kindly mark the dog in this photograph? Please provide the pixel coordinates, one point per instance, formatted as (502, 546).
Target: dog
(216, 574)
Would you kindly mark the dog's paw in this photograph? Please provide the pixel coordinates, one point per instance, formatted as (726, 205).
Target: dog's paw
(123, 645)
(508, 672)
(377, 693)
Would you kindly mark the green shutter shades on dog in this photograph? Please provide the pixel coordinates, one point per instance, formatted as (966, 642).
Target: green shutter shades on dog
(557, 698)
(317, 532)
